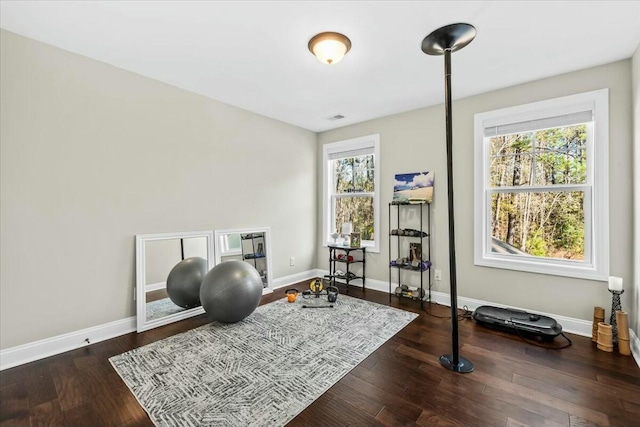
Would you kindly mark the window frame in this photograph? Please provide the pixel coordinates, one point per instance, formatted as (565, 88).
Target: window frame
(596, 201)
(328, 205)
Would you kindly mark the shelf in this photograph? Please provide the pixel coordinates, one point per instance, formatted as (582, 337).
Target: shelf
(344, 282)
(414, 203)
(409, 233)
(346, 277)
(345, 248)
(408, 295)
(252, 236)
(344, 261)
(408, 267)
(414, 223)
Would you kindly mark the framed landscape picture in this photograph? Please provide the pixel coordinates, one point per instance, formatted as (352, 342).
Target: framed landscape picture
(414, 187)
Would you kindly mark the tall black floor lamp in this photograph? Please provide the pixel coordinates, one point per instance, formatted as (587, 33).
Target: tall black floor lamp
(445, 41)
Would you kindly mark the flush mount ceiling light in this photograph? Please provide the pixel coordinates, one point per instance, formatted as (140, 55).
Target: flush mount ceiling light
(329, 47)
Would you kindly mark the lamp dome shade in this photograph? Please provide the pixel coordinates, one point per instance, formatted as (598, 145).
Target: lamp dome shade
(329, 47)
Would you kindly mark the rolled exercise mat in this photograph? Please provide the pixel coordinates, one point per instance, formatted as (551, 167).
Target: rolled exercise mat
(605, 337)
(624, 347)
(598, 316)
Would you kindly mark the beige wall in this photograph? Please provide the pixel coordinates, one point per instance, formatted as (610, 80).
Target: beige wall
(160, 257)
(414, 141)
(92, 155)
(634, 311)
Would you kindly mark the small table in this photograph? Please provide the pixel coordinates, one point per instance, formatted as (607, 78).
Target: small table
(334, 251)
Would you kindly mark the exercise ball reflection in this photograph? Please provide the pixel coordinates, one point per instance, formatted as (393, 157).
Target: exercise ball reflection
(184, 280)
(231, 291)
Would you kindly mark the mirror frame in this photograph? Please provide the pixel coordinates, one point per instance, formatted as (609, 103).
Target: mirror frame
(267, 241)
(141, 300)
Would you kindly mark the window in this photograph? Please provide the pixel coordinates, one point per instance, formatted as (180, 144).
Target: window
(350, 188)
(541, 181)
(230, 245)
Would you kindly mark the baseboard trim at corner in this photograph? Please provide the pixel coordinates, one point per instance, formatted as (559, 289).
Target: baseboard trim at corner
(37, 350)
(569, 324)
(281, 282)
(635, 346)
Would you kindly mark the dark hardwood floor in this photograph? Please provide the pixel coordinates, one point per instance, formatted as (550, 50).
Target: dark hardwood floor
(156, 295)
(514, 384)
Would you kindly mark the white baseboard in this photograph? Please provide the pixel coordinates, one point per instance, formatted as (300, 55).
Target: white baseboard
(37, 350)
(155, 286)
(569, 324)
(635, 346)
(281, 282)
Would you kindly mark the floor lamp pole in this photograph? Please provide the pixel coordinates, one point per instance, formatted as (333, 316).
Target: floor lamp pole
(445, 41)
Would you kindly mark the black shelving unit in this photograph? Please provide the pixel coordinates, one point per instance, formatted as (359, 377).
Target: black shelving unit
(254, 252)
(335, 259)
(403, 238)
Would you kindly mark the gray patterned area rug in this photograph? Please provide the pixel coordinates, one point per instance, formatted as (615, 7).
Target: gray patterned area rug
(262, 371)
(161, 308)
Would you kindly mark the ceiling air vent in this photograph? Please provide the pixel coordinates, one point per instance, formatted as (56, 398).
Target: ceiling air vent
(336, 117)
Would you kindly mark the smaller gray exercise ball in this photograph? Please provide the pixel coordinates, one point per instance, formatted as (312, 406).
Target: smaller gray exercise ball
(231, 291)
(184, 280)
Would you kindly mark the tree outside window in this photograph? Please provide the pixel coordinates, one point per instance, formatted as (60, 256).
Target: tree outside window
(354, 194)
(530, 208)
(541, 184)
(351, 187)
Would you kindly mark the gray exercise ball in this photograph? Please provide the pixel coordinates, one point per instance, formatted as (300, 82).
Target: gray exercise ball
(184, 280)
(231, 291)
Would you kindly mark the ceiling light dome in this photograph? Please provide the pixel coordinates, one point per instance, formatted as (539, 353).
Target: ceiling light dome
(329, 47)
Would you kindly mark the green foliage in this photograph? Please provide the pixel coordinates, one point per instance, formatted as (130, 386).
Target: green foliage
(543, 222)
(353, 177)
(536, 244)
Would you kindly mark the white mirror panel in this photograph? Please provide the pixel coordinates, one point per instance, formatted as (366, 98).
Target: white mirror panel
(251, 245)
(156, 255)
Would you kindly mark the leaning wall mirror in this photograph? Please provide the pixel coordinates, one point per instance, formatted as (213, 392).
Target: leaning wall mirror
(251, 245)
(158, 255)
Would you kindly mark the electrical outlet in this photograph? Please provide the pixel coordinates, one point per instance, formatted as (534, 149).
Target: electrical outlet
(292, 261)
(438, 275)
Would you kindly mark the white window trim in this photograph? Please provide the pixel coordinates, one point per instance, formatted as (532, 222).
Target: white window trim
(597, 177)
(348, 145)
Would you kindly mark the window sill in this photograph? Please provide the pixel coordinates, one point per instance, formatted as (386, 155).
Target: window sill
(543, 266)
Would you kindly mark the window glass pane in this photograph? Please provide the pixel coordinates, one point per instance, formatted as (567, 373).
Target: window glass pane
(561, 155)
(556, 156)
(233, 242)
(353, 174)
(511, 159)
(547, 224)
(358, 211)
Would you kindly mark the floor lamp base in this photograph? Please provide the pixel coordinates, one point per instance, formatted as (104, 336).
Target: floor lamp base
(464, 366)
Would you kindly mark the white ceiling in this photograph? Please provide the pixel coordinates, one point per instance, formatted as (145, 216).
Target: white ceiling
(254, 55)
